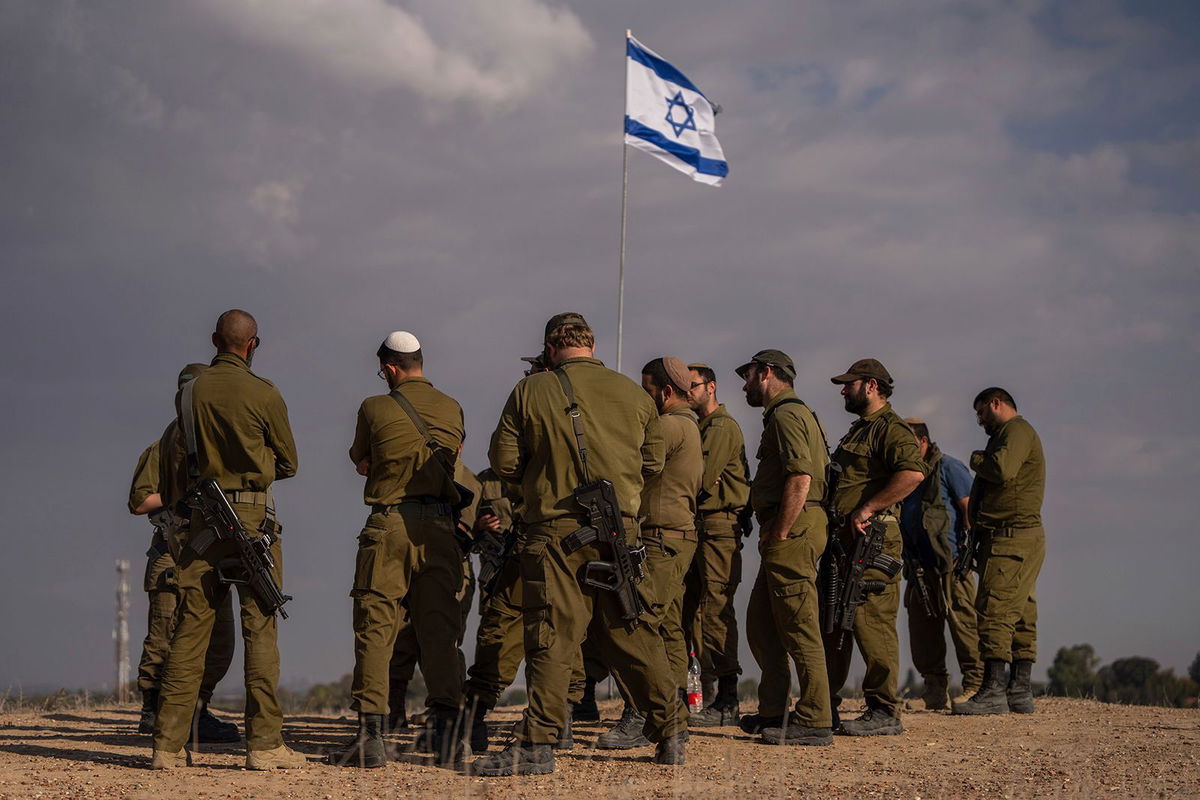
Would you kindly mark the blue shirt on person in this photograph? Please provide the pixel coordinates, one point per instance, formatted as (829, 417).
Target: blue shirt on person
(956, 484)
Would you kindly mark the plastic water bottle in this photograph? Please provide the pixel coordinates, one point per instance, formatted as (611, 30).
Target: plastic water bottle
(695, 693)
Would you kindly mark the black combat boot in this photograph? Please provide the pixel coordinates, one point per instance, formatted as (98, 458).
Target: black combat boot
(757, 723)
(873, 722)
(448, 742)
(670, 750)
(724, 709)
(1020, 691)
(992, 697)
(149, 710)
(397, 718)
(586, 709)
(516, 759)
(796, 732)
(366, 748)
(937, 692)
(207, 729)
(479, 733)
(626, 734)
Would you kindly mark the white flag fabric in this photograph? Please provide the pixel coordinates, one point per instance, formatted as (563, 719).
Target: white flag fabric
(667, 116)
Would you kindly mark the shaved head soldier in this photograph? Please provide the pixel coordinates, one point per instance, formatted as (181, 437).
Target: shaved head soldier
(1006, 512)
(717, 568)
(244, 443)
(159, 484)
(536, 445)
(405, 444)
(782, 622)
(880, 465)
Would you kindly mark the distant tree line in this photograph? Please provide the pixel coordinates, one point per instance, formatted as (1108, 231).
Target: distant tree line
(1136, 680)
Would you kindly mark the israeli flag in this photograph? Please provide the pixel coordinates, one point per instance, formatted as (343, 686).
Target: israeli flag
(667, 116)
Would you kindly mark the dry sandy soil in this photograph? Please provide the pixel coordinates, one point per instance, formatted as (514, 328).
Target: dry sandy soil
(1069, 748)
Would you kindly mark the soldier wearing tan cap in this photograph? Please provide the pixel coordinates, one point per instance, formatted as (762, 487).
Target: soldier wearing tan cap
(880, 465)
(668, 531)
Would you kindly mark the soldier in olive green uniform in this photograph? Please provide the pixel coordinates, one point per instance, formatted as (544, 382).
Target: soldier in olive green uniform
(782, 621)
(535, 446)
(933, 521)
(243, 442)
(1006, 513)
(717, 568)
(668, 533)
(407, 552)
(880, 465)
(156, 490)
(406, 652)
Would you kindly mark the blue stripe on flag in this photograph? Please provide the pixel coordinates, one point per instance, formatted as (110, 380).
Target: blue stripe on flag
(661, 68)
(688, 155)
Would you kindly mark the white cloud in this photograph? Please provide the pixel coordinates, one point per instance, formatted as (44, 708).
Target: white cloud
(499, 53)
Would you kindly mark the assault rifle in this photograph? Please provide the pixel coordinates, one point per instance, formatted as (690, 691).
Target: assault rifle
(253, 563)
(967, 544)
(848, 588)
(916, 576)
(622, 574)
(495, 549)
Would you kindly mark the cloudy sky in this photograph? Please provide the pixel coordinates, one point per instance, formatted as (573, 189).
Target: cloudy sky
(975, 193)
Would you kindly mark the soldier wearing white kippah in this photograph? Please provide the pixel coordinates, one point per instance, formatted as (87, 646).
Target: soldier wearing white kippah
(405, 445)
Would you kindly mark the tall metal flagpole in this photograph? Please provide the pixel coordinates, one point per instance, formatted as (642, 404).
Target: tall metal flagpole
(624, 201)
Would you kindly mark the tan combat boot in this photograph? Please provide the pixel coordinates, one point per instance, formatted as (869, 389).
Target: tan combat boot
(282, 757)
(163, 759)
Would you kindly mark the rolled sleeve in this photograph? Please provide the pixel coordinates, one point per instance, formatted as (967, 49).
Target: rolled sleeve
(792, 443)
(900, 450)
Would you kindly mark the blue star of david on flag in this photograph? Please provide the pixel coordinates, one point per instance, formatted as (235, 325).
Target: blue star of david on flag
(684, 137)
(689, 122)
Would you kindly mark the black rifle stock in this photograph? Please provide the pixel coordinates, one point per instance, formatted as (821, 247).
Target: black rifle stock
(624, 572)
(253, 563)
(495, 549)
(853, 588)
(917, 577)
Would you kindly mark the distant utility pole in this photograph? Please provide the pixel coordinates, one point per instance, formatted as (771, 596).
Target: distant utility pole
(121, 632)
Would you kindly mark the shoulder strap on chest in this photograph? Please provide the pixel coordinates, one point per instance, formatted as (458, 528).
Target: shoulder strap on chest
(576, 421)
(188, 421)
(418, 422)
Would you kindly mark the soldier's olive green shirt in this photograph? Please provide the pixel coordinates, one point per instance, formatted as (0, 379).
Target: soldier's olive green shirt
(464, 477)
(876, 447)
(726, 473)
(669, 498)
(145, 477)
(495, 494)
(1010, 478)
(243, 437)
(172, 464)
(534, 443)
(791, 444)
(402, 465)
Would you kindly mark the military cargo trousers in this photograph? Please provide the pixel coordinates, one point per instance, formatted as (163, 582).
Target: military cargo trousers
(874, 632)
(783, 623)
(1009, 562)
(201, 596)
(162, 589)
(557, 612)
(407, 559)
(499, 641)
(406, 651)
(708, 601)
(954, 605)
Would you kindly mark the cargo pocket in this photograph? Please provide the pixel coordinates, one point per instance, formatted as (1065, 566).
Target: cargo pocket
(790, 599)
(535, 597)
(368, 563)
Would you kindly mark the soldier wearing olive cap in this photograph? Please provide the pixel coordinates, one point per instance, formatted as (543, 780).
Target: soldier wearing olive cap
(881, 464)
(535, 446)
(407, 552)
(782, 620)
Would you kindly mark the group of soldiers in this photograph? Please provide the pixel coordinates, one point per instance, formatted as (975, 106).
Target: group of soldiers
(673, 462)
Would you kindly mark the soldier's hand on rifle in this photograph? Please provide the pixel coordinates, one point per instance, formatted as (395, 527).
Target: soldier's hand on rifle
(858, 520)
(487, 522)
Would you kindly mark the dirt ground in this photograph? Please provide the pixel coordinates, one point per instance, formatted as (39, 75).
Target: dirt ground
(1072, 748)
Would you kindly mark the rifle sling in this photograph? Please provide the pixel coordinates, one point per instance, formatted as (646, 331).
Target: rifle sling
(188, 419)
(576, 421)
(419, 423)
